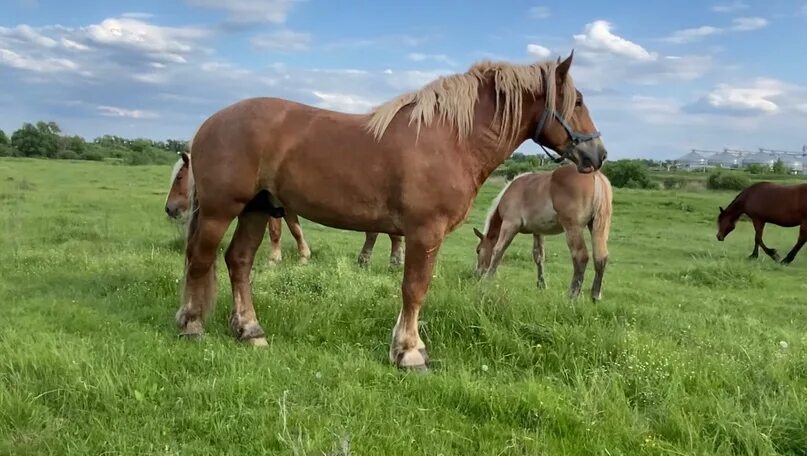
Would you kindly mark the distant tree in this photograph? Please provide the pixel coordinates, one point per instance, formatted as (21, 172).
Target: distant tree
(74, 144)
(779, 167)
(175, 145)
(627, 174)
(3, 138)
(37, 141)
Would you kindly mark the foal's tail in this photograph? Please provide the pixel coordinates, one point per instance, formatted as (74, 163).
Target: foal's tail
(602, 209)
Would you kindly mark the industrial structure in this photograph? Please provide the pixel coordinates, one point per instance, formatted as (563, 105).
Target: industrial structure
(699, 160)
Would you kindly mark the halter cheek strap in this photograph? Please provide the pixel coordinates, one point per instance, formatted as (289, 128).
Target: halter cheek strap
(575, 137)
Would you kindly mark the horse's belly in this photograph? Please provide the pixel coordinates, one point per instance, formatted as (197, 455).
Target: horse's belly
(546, 223)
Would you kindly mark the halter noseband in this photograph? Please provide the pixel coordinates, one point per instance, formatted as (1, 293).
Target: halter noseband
(575, 137)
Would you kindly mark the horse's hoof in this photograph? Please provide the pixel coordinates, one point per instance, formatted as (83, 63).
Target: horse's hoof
(303, 261)
(414, 359)
(190, 336)
(257, 342)
(541, 285)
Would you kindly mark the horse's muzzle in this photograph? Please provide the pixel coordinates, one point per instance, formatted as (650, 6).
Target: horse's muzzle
(173, 212)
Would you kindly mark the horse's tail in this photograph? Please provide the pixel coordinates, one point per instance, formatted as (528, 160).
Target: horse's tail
(602, 209)
(193, 201)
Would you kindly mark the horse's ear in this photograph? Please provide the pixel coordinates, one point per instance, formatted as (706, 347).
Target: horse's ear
(185, 158)
(722, 211)
(563, 67)
(478, 234)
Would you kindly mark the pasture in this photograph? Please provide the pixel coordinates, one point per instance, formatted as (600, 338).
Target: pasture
(693, 350)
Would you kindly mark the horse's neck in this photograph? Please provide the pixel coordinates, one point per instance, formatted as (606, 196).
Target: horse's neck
(487, 146)
(737, 207)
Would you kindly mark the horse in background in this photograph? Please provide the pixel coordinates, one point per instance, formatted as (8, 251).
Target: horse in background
(411, 167)
(177, 203)
(766, 202)
(549, 203)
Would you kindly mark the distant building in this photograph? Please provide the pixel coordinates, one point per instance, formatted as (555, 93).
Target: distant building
(692, 161)
(760, 158)
(725, 159)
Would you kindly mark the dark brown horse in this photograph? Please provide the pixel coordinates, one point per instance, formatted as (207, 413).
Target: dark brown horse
(411, 168)
(177, 203)
(766, 202)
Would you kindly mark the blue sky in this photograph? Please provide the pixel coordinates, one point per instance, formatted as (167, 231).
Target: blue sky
(659, 80)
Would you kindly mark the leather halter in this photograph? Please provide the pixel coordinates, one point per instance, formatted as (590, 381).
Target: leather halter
(575, 137)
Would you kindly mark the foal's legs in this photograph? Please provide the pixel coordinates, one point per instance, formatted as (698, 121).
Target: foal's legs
(275, 230)
(759, 226)
(799, 244)
(199, 289)
(407, 349)
(506, 234)
(577, 247)
(396, 254)
(297, 231)
(367, 249)
(239, 258)
(538, 256)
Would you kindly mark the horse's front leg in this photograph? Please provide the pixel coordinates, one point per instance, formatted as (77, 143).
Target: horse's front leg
(407, 349)
(506, 234)
(759, 228)
(275, 229)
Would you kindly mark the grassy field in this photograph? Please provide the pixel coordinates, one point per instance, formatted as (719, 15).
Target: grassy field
(694, 350)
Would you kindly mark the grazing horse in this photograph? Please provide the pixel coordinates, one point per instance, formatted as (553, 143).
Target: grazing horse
(177, 203)
(550, 203)
(411, 167)
(766, 202)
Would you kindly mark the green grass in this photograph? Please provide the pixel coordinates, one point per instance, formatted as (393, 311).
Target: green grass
(694, 350)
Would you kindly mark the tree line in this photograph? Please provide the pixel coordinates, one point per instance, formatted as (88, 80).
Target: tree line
(45, 140)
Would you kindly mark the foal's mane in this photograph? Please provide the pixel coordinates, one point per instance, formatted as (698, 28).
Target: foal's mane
(453, 98)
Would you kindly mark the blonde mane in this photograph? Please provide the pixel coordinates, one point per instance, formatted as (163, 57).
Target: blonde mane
(453, 98)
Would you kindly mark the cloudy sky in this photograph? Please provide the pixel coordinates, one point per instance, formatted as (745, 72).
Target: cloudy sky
(658, 79)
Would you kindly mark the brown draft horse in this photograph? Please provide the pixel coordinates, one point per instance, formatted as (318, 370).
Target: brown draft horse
(412, 167)
(766, 202)
(177, 203)
(548, 203)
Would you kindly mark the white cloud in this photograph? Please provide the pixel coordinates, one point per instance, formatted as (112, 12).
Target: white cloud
(538, 51)
(161, 43)
(250, 11)
(343, 102)
(420, 57)
(599, 38)
(283, 40)
(758, 97)
(730, 7)
(747, 24)
(73, 46)
(539, 12)
(112, 111)
(49, 65)
(692, 34)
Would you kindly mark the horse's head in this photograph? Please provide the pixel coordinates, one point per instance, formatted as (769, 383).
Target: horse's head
(725, 224)
(484, 252)
(177, 201)
(575, 139)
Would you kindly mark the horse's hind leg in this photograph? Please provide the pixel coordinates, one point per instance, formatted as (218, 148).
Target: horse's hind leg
(239, 258)
(367, 249)
(599, 244)
(275, 228)
(799, 244)
(759, 227)
(297, 231)
(396, 250)
(577, 247)
(199, 289)
(538, 256)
